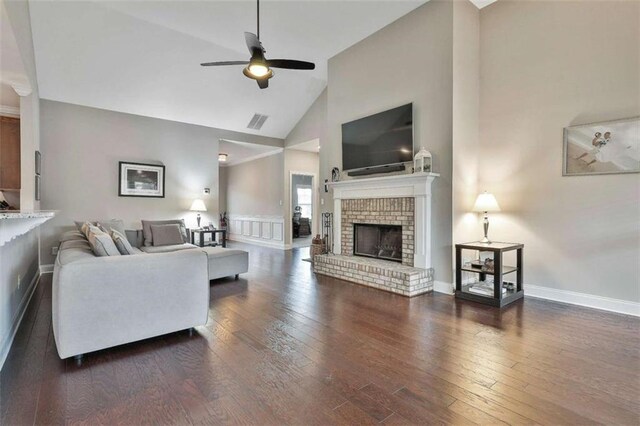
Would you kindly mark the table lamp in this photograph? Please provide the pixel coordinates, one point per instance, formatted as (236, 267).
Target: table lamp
(198, 206)
(486, 203)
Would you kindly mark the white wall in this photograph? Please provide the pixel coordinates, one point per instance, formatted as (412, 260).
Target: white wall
(545, 66)
(18, 260)
(20, 20)
(416, 67)
(29, 144)
(81, 148)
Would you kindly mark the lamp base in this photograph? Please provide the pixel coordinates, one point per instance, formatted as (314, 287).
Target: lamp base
(486, 240)
(198, 219)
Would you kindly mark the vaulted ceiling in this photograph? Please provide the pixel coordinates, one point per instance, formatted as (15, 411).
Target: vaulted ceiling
(142, 57)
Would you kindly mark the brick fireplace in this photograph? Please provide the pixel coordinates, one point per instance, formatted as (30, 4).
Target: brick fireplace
(379, 211)
(391, 203)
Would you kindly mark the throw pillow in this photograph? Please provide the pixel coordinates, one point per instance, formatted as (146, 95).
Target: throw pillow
(164, 235)
(122, 243)
(107, 225)
(101, 243)
(148, 236)
(113, 225)
(84, 228)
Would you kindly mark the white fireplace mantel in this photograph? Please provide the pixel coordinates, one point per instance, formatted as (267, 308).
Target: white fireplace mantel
(416, 185)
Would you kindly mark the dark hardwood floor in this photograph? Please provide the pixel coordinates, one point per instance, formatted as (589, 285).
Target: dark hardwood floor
(283, 346)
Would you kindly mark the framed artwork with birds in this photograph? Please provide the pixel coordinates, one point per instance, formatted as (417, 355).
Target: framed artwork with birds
(602, 148)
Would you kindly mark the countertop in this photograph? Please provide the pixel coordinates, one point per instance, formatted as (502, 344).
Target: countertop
(24, 214)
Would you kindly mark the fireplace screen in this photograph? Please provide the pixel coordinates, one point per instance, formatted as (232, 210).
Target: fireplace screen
(379, 241)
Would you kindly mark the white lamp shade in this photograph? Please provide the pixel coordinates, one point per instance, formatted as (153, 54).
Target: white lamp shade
(198, 206)
(486, 202)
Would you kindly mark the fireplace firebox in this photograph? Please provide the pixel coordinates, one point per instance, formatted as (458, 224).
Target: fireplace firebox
(378, 241)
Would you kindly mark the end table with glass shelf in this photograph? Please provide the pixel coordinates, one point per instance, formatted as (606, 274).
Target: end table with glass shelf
(213, 232)
(499, 294)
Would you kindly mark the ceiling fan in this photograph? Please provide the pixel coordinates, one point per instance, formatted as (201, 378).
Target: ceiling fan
(258, 67)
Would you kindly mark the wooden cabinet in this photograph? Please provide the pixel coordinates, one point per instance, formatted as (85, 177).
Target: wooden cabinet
(9, 153)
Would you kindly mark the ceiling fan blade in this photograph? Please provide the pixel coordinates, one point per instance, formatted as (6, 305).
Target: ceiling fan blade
(253, 42)
(263, 83)
(215, 64)
(291, 64)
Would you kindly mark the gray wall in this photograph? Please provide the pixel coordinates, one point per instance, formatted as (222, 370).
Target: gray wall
(222, 188)
(417, 67)
(312, 125)
(544, 66)
(18, 258)
(466, 114)
(81, 148)
(255, 187)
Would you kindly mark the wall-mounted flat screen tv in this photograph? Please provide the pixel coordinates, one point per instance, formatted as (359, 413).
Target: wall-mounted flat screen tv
(381, 139)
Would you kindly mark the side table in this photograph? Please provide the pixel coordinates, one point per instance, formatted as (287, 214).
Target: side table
(214, 242)
(498, 297)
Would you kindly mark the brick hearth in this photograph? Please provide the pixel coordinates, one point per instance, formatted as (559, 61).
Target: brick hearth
(380, 274)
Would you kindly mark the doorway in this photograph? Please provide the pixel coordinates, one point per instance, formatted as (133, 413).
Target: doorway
(302, 209)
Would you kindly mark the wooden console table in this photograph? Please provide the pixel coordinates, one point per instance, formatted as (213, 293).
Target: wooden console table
(498, 271)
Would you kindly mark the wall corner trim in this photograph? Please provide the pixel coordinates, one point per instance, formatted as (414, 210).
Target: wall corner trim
(5, 346)
(583, 299)
(443, 287)
(46, 269)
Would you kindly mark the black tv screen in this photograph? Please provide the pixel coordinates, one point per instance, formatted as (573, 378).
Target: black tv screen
(377, 140)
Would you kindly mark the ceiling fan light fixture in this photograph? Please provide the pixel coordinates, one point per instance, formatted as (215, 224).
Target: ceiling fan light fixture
(255, 71)
(222, 157)
(258, 70)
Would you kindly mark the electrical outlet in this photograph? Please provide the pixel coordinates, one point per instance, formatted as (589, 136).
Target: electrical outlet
(54, 251)
(19, 281)
(322, 201)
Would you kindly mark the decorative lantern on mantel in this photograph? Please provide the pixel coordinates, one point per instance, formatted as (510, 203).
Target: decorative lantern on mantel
(422, 162)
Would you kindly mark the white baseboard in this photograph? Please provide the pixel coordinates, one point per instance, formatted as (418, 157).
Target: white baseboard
(46, 269)
(583, 299)
(565, 296)
(259, 242)
(17, 319)
(443, 287)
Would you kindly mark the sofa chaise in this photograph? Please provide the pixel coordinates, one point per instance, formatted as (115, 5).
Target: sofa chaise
(105, 301)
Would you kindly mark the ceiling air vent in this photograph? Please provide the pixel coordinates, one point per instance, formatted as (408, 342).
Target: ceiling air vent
(257, 121)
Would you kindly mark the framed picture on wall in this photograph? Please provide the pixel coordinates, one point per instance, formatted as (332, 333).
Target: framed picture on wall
(38, 163)
(140, 180)
(602, 148)
(37, 189)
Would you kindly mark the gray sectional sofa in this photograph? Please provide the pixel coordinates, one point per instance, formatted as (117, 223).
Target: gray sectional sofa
(105, 301)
